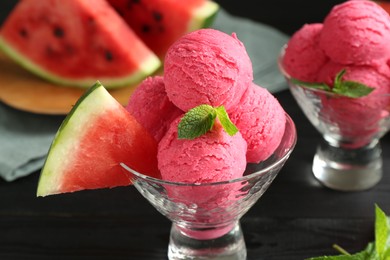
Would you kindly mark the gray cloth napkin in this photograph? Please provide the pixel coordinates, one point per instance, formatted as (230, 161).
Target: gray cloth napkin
(25, 137)
(24, 141)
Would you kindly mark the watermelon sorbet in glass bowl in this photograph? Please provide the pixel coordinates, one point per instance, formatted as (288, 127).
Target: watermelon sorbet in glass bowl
(338, 71)
(348, 158)
(205, 216)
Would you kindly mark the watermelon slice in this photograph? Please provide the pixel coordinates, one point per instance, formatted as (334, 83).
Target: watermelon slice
(75, 43)
(161, 22)
(95, 137)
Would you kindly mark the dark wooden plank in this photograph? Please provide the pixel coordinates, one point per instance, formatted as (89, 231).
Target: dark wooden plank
(108, 237)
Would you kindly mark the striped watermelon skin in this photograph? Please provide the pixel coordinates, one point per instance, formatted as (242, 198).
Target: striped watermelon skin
(95, 137)
(161, 22)
(75, 43)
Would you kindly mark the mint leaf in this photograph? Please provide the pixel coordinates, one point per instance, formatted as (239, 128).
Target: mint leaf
(337, 80)
(223, 117)
(346, 88)
(336, 257)
(199, 120)
(367, 254)
(321, 86)
(341, 250)
(386, 255)
(381, 232)
(353, 89)
(378, 250)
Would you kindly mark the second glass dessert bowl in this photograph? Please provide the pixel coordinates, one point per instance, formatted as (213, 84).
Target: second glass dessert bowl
(206, 216)
(348, 157)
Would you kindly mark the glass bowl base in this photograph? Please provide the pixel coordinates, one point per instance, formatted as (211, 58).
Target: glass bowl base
(348, 169)
(230, 246)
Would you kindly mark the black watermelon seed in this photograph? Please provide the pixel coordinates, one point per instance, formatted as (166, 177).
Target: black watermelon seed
(23, 33)
(58, 32)
(136, 1)
(109, 56)
(146, 28)
(157, 16)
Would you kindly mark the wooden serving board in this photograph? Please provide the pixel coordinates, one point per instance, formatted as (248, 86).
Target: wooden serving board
(23, 90)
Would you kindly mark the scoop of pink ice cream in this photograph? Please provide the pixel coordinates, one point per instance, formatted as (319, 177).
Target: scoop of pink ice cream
(261, 121)
(356, 32)
(303, 58)
(151, 107)
(207, 66)
(214, 156)
(358, 118)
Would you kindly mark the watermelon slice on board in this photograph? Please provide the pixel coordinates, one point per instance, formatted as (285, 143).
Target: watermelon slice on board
(75, 43)
(161, 22)
(95, 137)
(25, 91)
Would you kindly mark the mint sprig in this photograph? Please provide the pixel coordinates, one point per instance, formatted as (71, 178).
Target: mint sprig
(377, 250)
(341, 87)
(382, 233)
(199, 120)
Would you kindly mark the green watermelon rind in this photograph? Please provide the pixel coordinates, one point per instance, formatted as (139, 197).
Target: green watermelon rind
(90, 106)
(148, 67)
(203, 16)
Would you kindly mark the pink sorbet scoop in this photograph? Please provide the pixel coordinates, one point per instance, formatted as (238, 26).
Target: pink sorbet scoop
(261, 121)
(356, 32)
(214, 156)
(207, 66)
(303, 58)
(151, 107)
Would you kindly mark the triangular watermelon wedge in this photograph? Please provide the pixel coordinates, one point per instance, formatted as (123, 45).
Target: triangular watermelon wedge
(95, 137)
(75, 43)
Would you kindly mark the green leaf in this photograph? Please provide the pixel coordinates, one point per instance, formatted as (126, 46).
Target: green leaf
(353, 89)
(337, 257)
(370, 252)
(357, 256)
(381, 231)
(346, 88)
(386, 255)
(321, 86)
(378, 250)
(197, 122)
(341, 250)
(223, 117)
(367, 254)
(338, 78)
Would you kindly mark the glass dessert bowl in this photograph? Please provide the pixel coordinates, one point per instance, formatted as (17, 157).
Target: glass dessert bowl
(348, 158)
(205, 217)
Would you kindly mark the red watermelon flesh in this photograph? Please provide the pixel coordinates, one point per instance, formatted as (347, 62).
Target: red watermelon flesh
(96, 136)
(161, 22)
(123, 140)
(76, 42)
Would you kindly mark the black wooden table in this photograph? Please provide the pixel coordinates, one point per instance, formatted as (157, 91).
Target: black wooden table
(295, 219)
